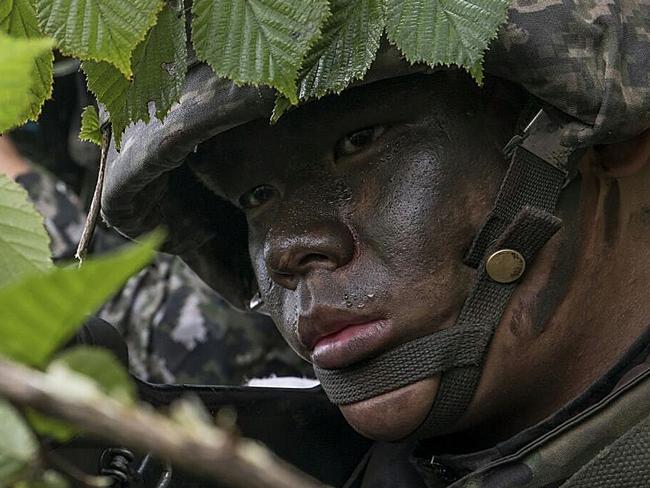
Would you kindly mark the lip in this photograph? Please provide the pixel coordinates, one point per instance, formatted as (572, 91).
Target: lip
(337, 338)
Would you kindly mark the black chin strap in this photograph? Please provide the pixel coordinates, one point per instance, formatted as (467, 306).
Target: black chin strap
(518, 226)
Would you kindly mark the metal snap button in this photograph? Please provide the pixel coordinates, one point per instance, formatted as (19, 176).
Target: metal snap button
(505, 266)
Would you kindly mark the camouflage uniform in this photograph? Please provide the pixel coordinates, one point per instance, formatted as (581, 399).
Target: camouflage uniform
(600, 439)
(177, 329)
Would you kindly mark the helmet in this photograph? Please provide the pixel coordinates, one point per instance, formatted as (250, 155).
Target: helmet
(584, 63)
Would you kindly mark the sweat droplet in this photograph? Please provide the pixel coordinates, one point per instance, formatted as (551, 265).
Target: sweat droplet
(371, 295)
(348, 304)
(361, 305)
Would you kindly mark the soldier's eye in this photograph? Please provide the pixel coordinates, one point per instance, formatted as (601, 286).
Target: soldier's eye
(256, 197)
(357, 141)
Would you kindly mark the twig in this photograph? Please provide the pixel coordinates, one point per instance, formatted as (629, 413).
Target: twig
(95, 205)
(209, 450)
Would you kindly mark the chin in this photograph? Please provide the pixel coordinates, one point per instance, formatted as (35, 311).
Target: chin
(393, 415)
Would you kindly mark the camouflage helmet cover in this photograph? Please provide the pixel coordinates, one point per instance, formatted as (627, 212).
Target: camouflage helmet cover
(590, 60)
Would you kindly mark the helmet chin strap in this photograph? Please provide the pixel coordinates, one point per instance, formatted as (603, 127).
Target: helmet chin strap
(519, 225)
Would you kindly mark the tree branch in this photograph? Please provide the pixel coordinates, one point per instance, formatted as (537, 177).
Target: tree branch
(95, 204)
(207, 450)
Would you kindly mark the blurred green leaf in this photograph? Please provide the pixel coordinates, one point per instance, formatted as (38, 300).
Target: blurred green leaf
(346, 49)
(92, 363)
(18, 19)
(159, 66)
(257, 41)
(18, 83)
(41, 312)
(445, 31)
(18, 446)
(102, 367)
(5, 10)
(24, 244)
(90, 130)
(49, 427)
(101, 30)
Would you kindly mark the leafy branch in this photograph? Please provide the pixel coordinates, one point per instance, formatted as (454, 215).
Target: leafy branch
(86, 389)
(135, 57)
(185, 438)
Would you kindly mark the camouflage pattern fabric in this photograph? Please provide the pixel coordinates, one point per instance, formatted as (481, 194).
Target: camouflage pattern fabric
(180, 331)
(551, 461)
(589, 59)
(177, 329)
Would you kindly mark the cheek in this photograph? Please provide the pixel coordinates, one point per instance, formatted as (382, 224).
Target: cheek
(409, 219)
(277, 300)
(416, 216)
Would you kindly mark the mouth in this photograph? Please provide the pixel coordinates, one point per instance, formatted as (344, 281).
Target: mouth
(337, 338)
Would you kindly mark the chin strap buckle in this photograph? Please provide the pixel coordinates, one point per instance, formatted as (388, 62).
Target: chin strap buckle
(541, 138)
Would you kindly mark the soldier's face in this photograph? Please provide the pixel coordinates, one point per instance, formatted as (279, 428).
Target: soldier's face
(360, 209)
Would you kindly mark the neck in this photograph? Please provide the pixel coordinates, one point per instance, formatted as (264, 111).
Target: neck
(608, 303)
(11, 164)
(565, 333)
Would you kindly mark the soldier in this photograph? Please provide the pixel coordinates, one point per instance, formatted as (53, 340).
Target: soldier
(485, 315)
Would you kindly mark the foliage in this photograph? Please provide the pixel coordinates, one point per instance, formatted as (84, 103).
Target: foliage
(100, 30)
(20, 90)
(135, 57)
(445, 31)
(24, 244)
(257, 41)
(85, 371)
(39, 313)
(90, 130)
(40, 308)
(18, 446)
(346, 49)
(159, 64)
(18, 19)
(107, 373)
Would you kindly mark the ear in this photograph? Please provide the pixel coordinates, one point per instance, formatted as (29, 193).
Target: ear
(623, 158)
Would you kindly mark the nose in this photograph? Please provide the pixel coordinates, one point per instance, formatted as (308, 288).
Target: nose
(290, 255)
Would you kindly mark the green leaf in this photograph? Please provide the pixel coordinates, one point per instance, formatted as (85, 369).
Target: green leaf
(159, 66)
(346, 49)
(5, 10)
(18, 447)
(102, 367)
(90, 130)
(281, 105)
(18, 19)
(24, 244)
(445, 31)
(18, 83)
(101, 30)
(257, 41)
(92, 363)
(49, 426)
(41, 312)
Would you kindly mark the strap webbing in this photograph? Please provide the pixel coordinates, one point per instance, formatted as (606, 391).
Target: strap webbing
(530, 181)
(459, 346)
(522, 219)
(483, 309)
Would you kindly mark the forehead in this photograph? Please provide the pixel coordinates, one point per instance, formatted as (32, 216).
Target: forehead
(259, 150)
